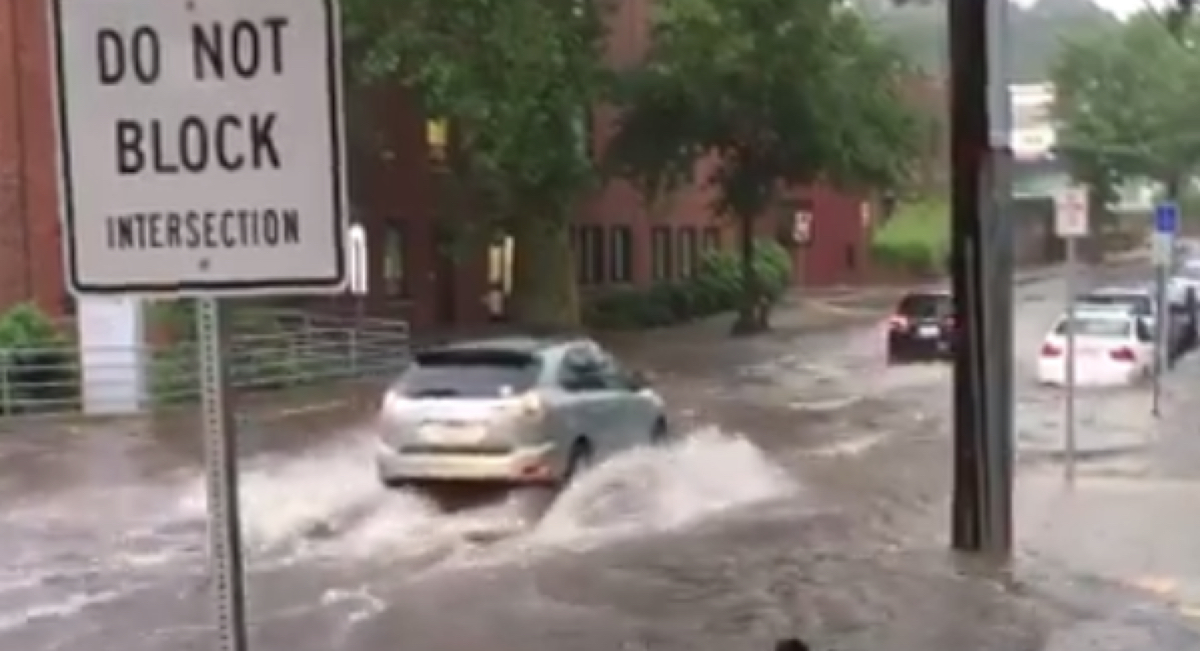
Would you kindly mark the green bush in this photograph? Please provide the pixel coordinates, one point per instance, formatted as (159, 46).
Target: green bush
(916, 239)
(178, 317)
(716, 287)
(175, 371)
(37, 364)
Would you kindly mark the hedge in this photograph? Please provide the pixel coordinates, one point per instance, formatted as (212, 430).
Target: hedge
(37, 364)
(714, 288)
(916, 239)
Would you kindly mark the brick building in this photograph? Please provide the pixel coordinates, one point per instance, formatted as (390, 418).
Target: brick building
(30, 258)
(394, 182)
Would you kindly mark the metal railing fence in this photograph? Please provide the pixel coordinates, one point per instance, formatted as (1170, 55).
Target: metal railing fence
(271, 350)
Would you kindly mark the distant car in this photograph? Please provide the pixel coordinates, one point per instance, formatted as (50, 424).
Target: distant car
(922, 327)
(1141, 303)
(1112, 347)
(523, 415)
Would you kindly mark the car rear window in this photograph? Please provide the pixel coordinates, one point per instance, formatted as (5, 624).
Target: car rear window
(1106, 328)
(1138, 304)
(924, 305)
(469, 374)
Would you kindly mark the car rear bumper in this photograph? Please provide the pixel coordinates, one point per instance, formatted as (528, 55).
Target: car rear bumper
(908, 347)
(1098, 374)
(526, 465)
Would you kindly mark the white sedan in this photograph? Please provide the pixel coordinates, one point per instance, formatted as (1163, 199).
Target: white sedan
(1111, 348)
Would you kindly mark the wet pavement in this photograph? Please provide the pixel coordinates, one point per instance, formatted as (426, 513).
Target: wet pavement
(809, 499)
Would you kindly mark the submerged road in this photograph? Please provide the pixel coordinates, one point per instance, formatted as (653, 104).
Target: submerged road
(808, 499)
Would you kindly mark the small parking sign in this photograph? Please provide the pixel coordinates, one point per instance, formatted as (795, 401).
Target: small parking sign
(1071, 212)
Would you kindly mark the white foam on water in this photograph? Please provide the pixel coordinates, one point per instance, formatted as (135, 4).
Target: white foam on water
(59, 609)
(313, 496)
(327, 505)
(656, 489)
(328, 502)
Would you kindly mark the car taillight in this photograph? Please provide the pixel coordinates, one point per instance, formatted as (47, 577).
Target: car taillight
(392, 402)
(1050, 350)
(897, 322)
(1122, 354)
(532, 405)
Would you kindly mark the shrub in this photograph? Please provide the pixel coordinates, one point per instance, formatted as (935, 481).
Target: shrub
(37, 365)
(916, 239)
(715, 287)
(264, 364)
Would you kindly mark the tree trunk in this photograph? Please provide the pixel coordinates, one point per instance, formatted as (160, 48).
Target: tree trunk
(545, 297)
(753, 314)
(1171, 186)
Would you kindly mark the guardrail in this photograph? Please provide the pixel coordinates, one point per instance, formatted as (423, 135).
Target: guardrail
(268, 350)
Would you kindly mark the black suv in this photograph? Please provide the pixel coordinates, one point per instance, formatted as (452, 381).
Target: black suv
(922, 327)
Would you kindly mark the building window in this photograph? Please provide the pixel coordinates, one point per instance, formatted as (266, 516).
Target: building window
(393, 261)
(588, 243)
(437, 139)
(689, 251)
(712, 239)
(662, 258)
(620, 250)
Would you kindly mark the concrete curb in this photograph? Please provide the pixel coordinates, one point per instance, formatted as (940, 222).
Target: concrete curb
(854, 314)
(1057, 455)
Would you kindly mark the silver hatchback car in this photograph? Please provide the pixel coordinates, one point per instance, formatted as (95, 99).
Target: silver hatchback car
(515, 413)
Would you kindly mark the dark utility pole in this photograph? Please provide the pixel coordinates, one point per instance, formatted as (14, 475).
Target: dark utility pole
(982, 269)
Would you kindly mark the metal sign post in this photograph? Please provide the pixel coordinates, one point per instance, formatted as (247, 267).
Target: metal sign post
(1166, 224)
(201, 156)
(221, 474)
(1071, 223)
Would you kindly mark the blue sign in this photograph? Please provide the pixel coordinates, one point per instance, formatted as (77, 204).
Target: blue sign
(1166, 217)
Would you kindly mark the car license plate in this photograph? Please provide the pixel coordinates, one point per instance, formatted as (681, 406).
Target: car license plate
(452, 433)
(927, 331)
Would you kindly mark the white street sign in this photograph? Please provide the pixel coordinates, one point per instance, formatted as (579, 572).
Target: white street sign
(201, 146)
(1071, 212)
(1163, 249)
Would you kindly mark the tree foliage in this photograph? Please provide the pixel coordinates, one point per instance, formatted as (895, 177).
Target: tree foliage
(514, 80)
(773, 92)
(1127, 105)
(778, 91)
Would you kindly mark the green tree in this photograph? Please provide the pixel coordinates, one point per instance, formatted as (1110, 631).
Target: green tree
(514, 80)
(1127, 106)
(774, 93)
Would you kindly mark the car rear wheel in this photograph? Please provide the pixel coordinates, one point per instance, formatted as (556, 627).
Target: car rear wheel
(660, 435)
(578, 462)
(532, 502)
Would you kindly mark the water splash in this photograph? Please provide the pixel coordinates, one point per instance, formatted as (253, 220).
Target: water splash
(656, 489)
